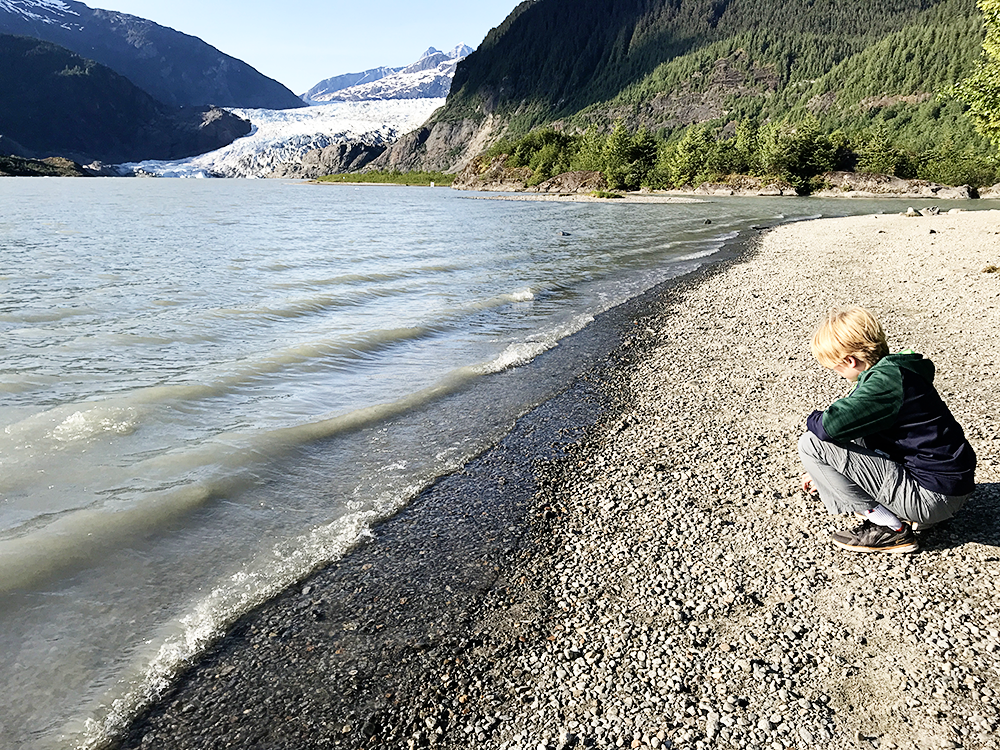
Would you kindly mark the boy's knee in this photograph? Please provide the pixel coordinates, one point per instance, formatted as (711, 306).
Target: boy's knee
(807, 445)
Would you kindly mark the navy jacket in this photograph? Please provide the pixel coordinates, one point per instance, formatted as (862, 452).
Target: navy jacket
(896, 409)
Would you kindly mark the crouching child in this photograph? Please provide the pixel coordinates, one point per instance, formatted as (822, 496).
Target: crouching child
(889, 451)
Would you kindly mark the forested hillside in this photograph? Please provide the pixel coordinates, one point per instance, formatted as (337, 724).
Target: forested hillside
(56, 103)
(853, 69)
(553, 58)
(562, 55)
(174, 68)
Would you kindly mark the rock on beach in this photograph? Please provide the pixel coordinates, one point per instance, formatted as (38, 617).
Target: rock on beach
(673, 588)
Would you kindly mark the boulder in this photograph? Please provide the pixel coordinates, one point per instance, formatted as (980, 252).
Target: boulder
(860, 185)
(572, 182)
(960, 193)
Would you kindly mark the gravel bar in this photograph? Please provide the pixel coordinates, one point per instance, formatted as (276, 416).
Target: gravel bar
(634, 565)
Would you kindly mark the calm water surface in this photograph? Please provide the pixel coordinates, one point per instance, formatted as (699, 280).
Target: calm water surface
(209, 387)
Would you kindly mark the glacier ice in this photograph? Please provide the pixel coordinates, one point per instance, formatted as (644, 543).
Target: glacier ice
(286, 135)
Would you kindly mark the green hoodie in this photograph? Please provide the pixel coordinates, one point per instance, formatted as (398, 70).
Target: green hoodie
(896, 409)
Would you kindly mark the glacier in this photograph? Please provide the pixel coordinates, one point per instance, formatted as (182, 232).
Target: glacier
(373, 113)
(284, 136)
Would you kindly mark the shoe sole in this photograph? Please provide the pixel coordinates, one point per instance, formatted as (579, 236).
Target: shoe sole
(898, 549)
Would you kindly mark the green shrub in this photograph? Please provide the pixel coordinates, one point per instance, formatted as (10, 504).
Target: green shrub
(392, 178)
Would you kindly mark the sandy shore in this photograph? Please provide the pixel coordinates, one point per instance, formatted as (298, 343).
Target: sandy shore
(658, 581)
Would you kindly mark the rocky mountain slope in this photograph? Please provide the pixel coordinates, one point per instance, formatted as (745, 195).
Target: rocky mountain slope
(174, 68)
(82, 110)
(429, 77)
(665, 64)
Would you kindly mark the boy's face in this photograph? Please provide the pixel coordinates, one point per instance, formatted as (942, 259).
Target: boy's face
(850, 368)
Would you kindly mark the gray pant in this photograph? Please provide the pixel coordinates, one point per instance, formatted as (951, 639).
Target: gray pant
(853, 479)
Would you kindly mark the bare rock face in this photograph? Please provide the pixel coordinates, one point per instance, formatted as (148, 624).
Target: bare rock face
(203, 129)
(858, 185)
(335, 159)
(437, 146)
(572, 182)
(492, 176)
(704, 97)
(746, 185)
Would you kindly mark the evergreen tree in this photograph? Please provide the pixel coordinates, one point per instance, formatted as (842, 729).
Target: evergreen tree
(617, 157)
(690, 157)
(981, 90)
(589, 155)
(747, 149)
(879, 155)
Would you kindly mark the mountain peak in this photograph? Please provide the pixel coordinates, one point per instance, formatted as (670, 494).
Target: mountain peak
(462, 50)
(429, 77)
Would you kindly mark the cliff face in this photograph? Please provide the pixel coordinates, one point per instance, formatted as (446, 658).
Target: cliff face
(174, 68)
(440, 146)
(79, 109)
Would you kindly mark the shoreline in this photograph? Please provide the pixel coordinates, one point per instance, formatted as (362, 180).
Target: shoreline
(655, 579)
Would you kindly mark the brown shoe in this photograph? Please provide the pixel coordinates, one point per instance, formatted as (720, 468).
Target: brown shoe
(870, 537)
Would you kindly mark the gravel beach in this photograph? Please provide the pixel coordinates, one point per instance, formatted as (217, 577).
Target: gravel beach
(656, 579)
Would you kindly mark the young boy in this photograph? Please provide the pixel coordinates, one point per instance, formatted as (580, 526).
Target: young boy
(889, 451)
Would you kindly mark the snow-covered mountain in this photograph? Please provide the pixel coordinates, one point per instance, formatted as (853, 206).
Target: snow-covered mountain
(428, 77)
(174, 68)
(341, 82)
(283, 137)
(44, 11)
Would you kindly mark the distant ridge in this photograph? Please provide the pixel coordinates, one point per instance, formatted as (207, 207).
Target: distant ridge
(82, 110)
(174, 68)
(428, 78)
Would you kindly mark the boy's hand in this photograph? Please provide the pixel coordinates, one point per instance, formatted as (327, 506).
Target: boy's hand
(808, 487)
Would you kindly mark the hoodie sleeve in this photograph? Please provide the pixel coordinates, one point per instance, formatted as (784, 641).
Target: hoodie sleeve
(871, 407)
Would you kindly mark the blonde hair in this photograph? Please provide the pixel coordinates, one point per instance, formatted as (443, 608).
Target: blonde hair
(849, 332)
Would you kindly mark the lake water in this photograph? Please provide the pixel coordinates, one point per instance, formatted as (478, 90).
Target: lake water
(210, 387)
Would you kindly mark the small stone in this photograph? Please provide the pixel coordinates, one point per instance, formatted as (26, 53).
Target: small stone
(712, 725)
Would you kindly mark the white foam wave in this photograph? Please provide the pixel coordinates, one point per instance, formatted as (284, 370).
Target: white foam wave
(717, 244)
(524, 295)
(96, 422)
(522, 353)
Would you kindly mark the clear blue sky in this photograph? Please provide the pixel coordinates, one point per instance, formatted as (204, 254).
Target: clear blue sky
(301, 42)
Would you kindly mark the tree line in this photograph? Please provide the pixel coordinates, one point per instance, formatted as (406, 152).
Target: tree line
(794, 152)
